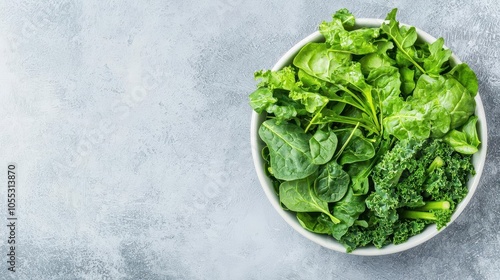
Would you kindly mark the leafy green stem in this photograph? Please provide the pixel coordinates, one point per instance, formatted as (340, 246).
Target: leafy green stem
(434, 205)
(355, 96)
(334, 219)
(315, 117)
(409, 214)
(369, 99)
(346, 142)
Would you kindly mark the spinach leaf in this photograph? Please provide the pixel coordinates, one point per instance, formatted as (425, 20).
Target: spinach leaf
(315, 222)
(470, 131)
(327, 116)
(309, 81)
(359, 173)
(323, 145)
(387, 84)
(347, 211)
(438, 104)
(407, 124)
(458, 141)
(466, 77)
(288, 149)
(317, 60)
(299, 196)
(377, 59)
(447, 93)
(407, 80)
(338, 108)
(466, 140)
(331, 183)
(357, 149)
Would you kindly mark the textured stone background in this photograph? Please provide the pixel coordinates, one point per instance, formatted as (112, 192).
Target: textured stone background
(130, 126)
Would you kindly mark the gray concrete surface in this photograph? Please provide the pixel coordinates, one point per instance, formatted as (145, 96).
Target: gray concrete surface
(129, 123)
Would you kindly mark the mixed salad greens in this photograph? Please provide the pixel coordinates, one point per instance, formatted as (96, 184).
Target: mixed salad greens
(369, 135)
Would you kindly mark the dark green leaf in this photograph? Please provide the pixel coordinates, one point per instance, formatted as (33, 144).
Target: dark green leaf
(289, 150)
(315, 222)
(323, 145)
(299, 196)
(347, 211)
(331, 184)
(357, 149)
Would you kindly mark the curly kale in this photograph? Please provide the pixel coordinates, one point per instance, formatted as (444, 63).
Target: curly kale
(415, 184)
(387, 175)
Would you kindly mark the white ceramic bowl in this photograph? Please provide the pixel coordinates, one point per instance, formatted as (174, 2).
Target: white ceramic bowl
(326, 240)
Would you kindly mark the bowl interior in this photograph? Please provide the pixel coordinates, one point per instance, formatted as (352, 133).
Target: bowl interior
(328, 241)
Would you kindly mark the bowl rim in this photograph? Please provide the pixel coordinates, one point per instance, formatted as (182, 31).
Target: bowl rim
(325, 240)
